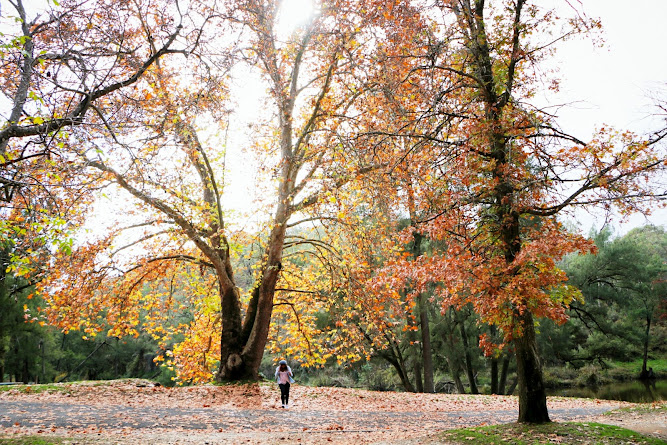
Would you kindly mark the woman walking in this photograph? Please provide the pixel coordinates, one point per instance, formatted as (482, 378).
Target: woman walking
(284, 378)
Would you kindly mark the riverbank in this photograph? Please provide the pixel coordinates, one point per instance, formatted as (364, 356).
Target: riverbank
(601, 374)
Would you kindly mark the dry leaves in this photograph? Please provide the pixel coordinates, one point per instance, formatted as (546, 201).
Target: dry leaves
(124, 412)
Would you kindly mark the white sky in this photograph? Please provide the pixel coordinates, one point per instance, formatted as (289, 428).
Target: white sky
(613, 84)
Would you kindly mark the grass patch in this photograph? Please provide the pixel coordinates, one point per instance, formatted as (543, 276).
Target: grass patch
(647, 408)
(34, 440)
(614, 371)
(570, 433)
(659, 366)
(70, 386)
(36, 389)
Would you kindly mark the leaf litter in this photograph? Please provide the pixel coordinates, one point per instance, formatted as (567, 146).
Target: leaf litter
(132, 411)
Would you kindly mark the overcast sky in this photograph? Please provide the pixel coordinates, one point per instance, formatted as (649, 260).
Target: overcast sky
(615, 85)
(614, 82)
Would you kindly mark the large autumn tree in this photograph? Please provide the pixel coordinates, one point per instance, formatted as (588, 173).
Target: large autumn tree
(181, 241)
(526, 172)
(495, 170)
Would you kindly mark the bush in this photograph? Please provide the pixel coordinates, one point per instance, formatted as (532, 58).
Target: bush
(592, 375)
(378, 379)
(558, 377)
(339, 381)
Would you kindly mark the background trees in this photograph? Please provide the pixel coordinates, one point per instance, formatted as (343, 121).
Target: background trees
(623, 289)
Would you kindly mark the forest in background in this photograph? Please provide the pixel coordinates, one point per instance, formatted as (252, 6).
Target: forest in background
(622, 318)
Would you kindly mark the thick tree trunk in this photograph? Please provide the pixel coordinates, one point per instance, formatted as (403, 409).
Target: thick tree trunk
(254, 348)
(532, 394)
(242, 344)
(232, 366)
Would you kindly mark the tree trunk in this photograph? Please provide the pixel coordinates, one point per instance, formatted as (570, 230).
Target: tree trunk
(494, 364)
(494, 375)
(512, 387)
(253, 350)
(405, 380)
(232, 366)
(417, 369)
(455, 370)
(414, 346)
(427, 355)
(242, 345)
(393, 355)
(468, 358)
(645, 373)
(503, 373)
(452, 358)
(505, 223)
(532, 395)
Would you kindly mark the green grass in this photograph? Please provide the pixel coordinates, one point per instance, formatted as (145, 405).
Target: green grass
(659, 366)
(647, 408)
(66, 387)
(34, 440)
(556, 377)
(569, 433)
(36, 389)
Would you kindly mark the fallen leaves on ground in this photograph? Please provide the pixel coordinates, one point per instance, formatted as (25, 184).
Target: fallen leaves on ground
(252, 413)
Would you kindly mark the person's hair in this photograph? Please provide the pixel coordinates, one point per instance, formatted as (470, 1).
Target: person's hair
(283, 365)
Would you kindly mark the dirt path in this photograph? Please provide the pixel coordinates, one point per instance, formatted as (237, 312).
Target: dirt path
(125, 413)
